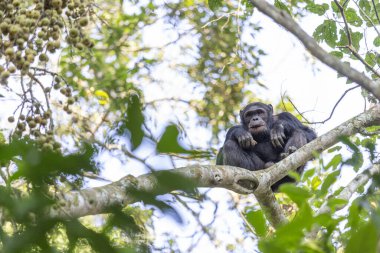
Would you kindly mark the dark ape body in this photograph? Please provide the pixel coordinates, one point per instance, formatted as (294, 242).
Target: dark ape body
(263, 139)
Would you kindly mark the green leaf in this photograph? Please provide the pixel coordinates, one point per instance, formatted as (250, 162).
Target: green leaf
(319, 9)
(189, 3)
(370, 145)
(376, 41)
(354, 217)
(335, 161)
(315, 183)
(335, 203)
(2, 138)
(290, 236)
(333, 149)
(295, 175)
(280, 5)
(324, 219)
(258, 222)
(329, 180)
(334, 7)
(308, 173)
(372, 128)
(365, 6)
(135, 120)
(337, 54)
(364, 239)
(98, 241)
(214, 4)
(370, 58)
(249, 8)
(168, 142)
(353, 18)
(356, 38)
(349, 144)
(297, 194)
(326, 32)
(343, 41)
(40, 166)
(356, 161)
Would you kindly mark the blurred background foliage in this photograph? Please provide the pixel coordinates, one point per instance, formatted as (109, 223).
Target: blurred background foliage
(84, 79)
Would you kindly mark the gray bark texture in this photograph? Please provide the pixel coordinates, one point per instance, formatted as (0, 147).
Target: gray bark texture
(99, 199)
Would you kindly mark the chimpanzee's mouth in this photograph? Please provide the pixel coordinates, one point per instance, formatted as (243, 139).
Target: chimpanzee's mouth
(256, 126)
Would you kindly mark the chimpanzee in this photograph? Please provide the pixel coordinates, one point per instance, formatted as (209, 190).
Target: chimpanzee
(263, 139)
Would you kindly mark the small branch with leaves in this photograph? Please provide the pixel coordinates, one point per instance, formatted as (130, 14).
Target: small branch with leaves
(284, 19)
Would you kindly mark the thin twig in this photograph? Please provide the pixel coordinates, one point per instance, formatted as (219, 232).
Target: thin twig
(341, 9)
(336, 104)
(295, 108)
(377, 14)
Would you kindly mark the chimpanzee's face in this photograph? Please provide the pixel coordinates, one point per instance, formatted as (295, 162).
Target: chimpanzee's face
(255, 118)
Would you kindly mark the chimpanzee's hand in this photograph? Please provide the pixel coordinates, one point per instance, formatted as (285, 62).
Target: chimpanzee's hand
(277, 136)
(245, 139)
(290, 150)
(268, 164)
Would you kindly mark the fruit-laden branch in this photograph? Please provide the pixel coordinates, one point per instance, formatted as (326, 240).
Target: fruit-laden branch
(284, 19)
(100, 199)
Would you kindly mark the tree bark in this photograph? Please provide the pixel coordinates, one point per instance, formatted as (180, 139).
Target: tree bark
(99, 199)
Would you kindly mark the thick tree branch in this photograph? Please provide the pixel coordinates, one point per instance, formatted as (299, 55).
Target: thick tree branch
(285, 20)
(100, 199)
(271, 208)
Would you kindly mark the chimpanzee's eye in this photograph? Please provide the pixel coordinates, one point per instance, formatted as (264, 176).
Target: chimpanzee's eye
(248, 114)
(261, 112)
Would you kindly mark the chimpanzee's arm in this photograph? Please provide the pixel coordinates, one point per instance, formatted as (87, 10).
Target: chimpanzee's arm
(241, 136)
(287, 126)
(237, 150)
(289, 122)
(235, 155)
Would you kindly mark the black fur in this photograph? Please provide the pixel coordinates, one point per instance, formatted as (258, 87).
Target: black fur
(263, 139)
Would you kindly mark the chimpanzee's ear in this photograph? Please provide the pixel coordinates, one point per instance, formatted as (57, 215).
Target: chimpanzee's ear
(241, 115)
(270, 107)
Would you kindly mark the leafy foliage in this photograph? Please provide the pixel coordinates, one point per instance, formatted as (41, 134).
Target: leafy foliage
(96, 99)
(134, 120)
(326, 32)
(257, 220)
(28, 228)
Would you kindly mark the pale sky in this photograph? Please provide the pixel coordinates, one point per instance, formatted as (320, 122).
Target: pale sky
(283, 69)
